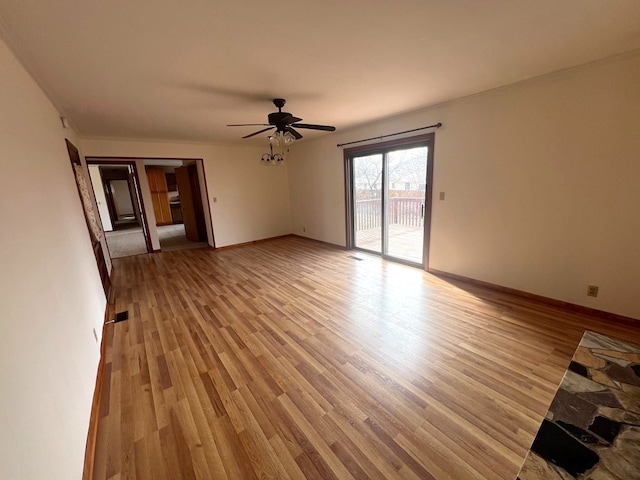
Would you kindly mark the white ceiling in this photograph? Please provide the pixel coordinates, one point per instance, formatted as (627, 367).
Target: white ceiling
(182, 70)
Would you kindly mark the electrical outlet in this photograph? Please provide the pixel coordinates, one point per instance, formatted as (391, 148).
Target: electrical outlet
(441, 195)
(592, 291)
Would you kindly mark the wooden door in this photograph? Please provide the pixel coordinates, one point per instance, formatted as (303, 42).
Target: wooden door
(191, 203)
(159, 195)
(106, 185)
(95, 229)
(134, 198)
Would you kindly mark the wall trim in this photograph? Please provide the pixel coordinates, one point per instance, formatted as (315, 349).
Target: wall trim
(539, 298)
(252, 242)
(92, 434)
(334, 246)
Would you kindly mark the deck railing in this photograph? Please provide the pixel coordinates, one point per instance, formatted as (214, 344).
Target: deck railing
(402, 211)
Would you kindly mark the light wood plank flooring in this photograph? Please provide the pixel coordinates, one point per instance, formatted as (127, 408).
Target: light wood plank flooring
(289, 359)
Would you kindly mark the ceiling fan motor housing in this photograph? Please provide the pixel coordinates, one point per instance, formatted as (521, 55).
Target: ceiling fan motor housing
(278, 118)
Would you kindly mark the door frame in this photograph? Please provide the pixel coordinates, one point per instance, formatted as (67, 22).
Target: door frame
(112, 206)
(134, 193)
(427, 140)
(139, 204)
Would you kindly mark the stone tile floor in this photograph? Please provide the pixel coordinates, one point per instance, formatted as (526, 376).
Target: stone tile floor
(592, 428)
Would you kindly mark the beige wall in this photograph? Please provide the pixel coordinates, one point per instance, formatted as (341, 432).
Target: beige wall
(252, 200)
(541, 182)
(51, 298)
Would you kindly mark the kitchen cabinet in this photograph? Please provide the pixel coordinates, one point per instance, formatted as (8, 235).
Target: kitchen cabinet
(159, 195)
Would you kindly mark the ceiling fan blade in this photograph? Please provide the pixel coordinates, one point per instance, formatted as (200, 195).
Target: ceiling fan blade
(259, 131)
(293, 132)
(288, 120)
(249, 125)
(310, 126)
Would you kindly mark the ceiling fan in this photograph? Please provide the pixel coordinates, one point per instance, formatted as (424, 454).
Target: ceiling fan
(283, 122)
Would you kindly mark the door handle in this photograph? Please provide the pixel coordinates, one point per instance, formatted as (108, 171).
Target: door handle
(422, 212)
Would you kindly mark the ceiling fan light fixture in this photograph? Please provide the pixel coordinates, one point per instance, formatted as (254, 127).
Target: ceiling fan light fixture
(274, 139)
(271, 159)
(288, 138)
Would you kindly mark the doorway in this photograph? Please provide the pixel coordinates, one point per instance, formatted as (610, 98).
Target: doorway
(389, 198)
(177, 198)
(117, 189)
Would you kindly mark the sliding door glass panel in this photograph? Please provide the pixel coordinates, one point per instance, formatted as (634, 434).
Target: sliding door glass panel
(367, 201)
(406, 203)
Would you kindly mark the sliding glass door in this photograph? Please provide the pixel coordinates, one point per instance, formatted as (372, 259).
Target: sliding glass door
(406, 187)
(367, 189)
(390, 199)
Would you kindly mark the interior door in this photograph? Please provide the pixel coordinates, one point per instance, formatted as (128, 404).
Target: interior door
(191, 203)
(134, 197)
(111, 206)
(138, 207)
(197, 202)
(90, 215)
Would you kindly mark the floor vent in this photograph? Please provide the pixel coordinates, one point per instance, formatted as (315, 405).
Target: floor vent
(120, 317)
(356, 258)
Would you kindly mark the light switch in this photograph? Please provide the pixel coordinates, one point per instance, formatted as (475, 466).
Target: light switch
(441, 195)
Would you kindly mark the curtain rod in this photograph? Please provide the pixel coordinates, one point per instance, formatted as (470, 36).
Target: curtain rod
(437, 125)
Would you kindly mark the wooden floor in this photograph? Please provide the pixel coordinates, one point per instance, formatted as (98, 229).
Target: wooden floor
(289, 359)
